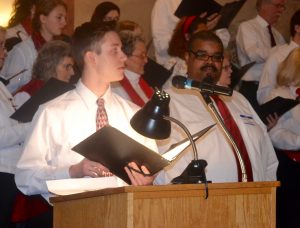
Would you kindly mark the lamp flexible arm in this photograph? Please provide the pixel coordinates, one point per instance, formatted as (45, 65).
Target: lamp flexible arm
(213, 110)
(187, 133)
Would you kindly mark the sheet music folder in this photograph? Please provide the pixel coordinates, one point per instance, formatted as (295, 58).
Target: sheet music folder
(155, 74)
(279, 105)
(114, 150)
(238, 73)
(228, 13)
(52, 89)
(197, 7)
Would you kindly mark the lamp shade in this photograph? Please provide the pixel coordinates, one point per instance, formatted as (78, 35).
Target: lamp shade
(149, 120)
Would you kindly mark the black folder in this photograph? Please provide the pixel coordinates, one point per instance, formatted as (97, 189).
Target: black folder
(238, 73)
(197, 7)
(279, 105)
(228, 13)
(52, 89)
(115, 150)
(155, 74)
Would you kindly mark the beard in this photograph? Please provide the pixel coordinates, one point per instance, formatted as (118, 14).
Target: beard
(210, 73)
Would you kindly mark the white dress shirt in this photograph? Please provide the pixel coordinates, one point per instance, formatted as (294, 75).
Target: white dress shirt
(17, 31)
(21, 57)
(286, 133)
(188, 107)
(253, 44)
(270, 71)
(163, 22)
(12, 134)
(61, 124)
(133, 79)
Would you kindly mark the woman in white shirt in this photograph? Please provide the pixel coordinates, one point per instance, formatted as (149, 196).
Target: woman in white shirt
(19, 25)
(12, 134)
(285, 136)
(48, 21)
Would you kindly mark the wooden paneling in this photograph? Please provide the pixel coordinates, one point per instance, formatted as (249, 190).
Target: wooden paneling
(70, 17)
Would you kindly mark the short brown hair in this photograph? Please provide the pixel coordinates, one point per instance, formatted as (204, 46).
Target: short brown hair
(86, 36)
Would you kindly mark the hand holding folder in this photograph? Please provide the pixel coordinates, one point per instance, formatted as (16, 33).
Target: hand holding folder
(277, 105)
(115, 150)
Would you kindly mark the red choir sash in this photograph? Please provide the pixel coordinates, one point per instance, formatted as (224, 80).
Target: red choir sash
(133, 94)
(31, 87)
(26, 23)
(38, 40)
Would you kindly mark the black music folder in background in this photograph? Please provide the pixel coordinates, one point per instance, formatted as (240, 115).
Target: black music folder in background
(115, 150)
(228, 13)
(155, 74)
(238, 73)
(279, 105)
(197, 7)
(52, 89)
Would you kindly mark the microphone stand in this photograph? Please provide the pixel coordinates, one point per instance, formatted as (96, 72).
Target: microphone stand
(208, 101)
(194, 173)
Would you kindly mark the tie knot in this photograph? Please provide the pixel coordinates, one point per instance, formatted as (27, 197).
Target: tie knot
(100, 102)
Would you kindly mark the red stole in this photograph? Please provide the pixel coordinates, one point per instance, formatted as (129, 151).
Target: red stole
(31, 87)
(237, 136)
(26, 23)
(38, 40)
(133, 94)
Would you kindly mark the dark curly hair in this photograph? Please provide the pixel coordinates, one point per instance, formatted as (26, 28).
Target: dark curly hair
(177, 44)
(21, 10)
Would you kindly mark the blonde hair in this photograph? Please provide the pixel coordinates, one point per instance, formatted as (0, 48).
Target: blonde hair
(289, 70)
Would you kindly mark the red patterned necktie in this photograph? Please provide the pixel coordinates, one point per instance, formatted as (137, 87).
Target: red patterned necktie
(236, 134)
(273, 42)
(101, 118)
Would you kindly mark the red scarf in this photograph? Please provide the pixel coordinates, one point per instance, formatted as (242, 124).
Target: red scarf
(38, 40)
(26, 23)
(31, 87)
(133, 94)
(298, 92)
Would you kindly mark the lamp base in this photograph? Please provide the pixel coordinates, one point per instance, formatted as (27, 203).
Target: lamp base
(194, 173)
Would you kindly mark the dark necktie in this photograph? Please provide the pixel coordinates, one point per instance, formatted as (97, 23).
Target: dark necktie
(101, 118)
(236, 134)
(273, 42)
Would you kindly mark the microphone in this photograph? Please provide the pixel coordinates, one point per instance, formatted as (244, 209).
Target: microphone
(181, 82)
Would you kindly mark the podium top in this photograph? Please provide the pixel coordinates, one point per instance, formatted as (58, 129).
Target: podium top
(176, 190)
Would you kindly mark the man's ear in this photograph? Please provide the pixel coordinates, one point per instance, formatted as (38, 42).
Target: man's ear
(90, 58)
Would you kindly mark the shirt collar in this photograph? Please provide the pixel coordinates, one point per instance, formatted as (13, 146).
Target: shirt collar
(261, 21)
(294, 44)
(89, 98)
(131, 76)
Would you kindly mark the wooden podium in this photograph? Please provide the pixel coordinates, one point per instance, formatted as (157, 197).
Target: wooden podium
(251, 204)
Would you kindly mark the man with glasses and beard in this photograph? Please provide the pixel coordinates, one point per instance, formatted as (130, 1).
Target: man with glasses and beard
(204, 60)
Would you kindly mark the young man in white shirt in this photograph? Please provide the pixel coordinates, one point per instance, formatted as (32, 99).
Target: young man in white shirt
(64, 122)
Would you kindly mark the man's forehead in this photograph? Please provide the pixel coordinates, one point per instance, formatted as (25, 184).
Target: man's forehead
(207, 45)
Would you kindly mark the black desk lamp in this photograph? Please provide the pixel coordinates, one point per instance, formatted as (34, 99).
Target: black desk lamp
(153, 121)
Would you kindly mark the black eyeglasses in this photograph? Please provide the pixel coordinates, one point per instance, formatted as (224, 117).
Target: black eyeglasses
(205, 57)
